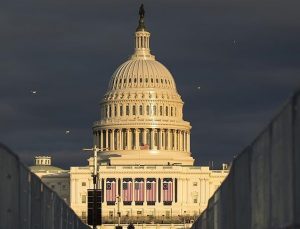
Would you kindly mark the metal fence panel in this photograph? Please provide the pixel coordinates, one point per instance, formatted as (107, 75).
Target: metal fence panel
(36, 203)
(227, 202)
(25, 197)
(242, 189)
(260, 181)
(281, 169)
(296, 164)
(9, 195)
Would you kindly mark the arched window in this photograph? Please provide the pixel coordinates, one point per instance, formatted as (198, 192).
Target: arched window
(167, 111)
(171, 111)
(161, 110)
(148, 110)
(127, 110)
(141, 109)
(115, 110)
(133, 110)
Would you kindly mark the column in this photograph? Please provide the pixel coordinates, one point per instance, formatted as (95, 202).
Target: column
(184, 141)
(121, 139)
(144, 136)
(104, 194)
(152, 139)
(179, 190)
(101, 139)
(112, 140)
(128, 139)
(95, 134)
(137, 139)
(160, 138)
(169, 139)
(179, 140)
(188, 142)
(175, 139)
(156, 191)
(106, 139)
(173, 190)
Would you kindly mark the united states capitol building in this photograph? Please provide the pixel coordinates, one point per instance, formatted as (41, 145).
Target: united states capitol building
(146, 168)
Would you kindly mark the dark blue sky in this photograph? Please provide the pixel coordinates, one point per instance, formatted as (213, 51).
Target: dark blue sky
(243, 54)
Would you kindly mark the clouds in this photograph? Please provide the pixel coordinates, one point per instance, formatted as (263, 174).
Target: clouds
(67, 50)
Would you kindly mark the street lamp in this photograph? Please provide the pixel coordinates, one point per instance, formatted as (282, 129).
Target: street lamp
(95, 150)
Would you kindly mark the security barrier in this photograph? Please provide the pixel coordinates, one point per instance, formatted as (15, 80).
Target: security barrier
(262, 190)
(26, 203)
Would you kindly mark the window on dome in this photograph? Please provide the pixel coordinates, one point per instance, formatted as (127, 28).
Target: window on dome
(115, 110)
(130, 80)
(151, 80)
(161, 80)
(171, 111)
(166, 81)
(167, 111)
(120, 81)
(141, 109)
(154, 110)
(148, 110)
(109, 111)
(133, 110)
(174, 111)
(106, 111)
(146, 80)
(121, 110)
(141, 80)
(127, 110)
(156, 80)
(135, 80)
(124, 80)
(161, 111)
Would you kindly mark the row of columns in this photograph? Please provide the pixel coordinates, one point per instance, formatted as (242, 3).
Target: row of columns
(136, 139)
(109, 111)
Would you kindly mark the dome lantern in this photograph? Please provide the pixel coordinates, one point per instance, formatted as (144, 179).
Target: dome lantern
(142, 39)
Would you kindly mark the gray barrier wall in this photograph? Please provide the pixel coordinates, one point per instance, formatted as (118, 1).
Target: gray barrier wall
(26, 203)
(262, 190)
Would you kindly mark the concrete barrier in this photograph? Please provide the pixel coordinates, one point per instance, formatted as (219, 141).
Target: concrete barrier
(26, 203)
(262, 189)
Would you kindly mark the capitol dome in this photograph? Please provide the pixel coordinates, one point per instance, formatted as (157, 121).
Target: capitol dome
(142, 73)
(142, 113)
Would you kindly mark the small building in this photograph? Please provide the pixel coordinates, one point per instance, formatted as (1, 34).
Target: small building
(54, 177)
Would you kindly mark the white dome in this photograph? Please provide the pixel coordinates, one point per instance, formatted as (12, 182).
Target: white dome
(141, 117)
(142, 73)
